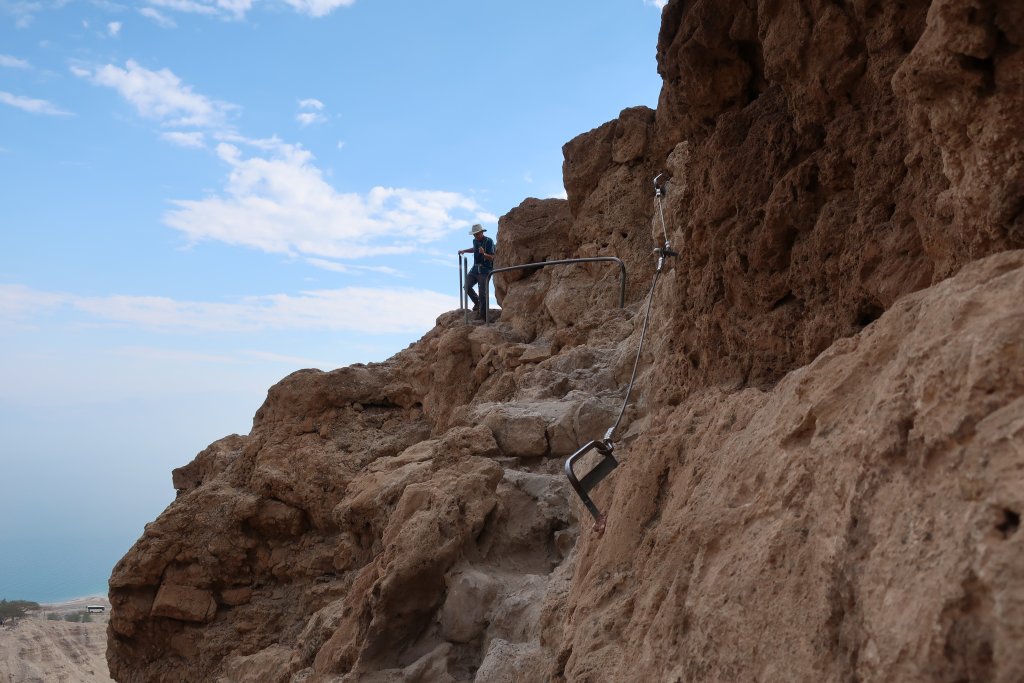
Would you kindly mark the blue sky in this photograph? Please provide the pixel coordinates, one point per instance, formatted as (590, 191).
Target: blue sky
(201, 196)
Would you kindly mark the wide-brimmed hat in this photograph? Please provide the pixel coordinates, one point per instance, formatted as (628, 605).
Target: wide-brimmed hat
(477, 228)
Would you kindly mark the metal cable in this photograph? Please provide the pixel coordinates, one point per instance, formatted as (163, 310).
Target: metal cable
(662, 253)
(610, 434)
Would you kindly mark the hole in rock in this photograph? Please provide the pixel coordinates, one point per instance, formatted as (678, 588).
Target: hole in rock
(1009, 524)
(789, 298)
(986, 68)
(869, 312)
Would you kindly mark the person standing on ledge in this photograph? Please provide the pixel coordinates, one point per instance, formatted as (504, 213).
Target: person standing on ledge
(483, 257)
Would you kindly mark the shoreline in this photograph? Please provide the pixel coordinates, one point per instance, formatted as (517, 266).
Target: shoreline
(91, 598)
(74, 605)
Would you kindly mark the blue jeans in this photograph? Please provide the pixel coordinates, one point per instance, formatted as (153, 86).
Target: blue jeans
(473, 279)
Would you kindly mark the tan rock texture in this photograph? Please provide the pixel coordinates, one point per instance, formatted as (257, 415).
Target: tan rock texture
(821, 473)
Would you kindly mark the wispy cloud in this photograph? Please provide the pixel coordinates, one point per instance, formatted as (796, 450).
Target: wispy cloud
(351, 309)
(195, 139)
(336, 267)
(237, 9)
(114, 28)
(307, 118)
(18, 300)
(23, 11)
(281, 203)
(313, 112)
(186, 6)
(656, 3)
(318, 8)
(33, 106)
(158, 95)
(13, 62)
(154, 15)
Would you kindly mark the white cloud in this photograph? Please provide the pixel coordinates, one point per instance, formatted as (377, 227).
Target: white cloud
(351, 309)
(310, 117)
(332, 266)
(13, 62)
(280, 203)
(23, 12)
(158, 95)
(306, 118)
(239, 8)
(17, 300)
(31, 105)
(114, 28)
(336, 267)
(155, 15)
(195, 140)
(656, 3)
(186, 6)
(318, 8)
(341, 144)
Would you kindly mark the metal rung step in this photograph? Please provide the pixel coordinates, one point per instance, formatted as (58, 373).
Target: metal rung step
(591, 478)
(594, 476)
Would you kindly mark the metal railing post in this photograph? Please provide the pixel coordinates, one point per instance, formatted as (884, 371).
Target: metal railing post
(485, 296)
(462, 288)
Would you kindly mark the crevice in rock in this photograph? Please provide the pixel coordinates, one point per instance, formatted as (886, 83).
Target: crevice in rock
(1009, 524)
(985, 68)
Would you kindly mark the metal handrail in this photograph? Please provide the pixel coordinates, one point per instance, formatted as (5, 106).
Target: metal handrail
(485, 295)
(462, 289)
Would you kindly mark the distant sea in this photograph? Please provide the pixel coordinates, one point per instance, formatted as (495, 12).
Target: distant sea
(57, 569)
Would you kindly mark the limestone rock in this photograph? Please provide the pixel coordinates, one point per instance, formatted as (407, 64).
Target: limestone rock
(184, 603)
(464, 614)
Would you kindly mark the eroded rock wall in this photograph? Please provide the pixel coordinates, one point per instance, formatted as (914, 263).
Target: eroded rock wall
(820, 478)
(837, 156)
(858, 521)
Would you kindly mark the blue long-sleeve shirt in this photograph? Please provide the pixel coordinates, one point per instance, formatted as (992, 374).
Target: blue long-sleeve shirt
(481, 265)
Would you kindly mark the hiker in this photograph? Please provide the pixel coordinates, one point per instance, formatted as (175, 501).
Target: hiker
(483, 256)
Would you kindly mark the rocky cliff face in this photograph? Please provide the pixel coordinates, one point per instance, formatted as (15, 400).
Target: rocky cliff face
(821, 477)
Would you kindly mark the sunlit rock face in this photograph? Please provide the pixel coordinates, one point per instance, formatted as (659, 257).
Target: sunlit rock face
(821, 474)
